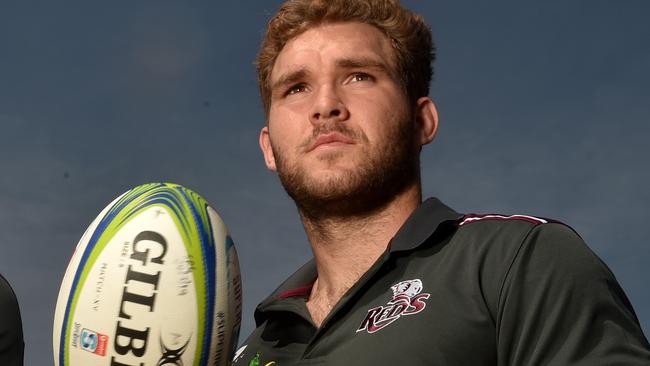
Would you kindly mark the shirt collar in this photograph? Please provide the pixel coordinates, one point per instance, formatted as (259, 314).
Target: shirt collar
(429, 217)
(423, 222)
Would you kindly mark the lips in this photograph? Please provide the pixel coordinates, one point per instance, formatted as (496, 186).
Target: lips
(329, 139)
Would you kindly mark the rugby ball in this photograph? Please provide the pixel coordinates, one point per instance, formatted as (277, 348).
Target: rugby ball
(153, 281)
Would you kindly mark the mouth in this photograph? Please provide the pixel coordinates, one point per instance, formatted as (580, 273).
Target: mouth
(330, 139)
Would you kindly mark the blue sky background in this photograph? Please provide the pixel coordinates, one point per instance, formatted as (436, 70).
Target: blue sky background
(545, 111)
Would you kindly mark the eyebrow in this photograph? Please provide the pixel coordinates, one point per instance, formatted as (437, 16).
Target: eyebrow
(363, 62)
(290, 78)
(295, 76)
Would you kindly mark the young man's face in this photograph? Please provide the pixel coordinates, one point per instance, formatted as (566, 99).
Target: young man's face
(340, 124)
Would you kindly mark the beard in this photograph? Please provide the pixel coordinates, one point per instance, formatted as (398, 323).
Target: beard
(387, 170)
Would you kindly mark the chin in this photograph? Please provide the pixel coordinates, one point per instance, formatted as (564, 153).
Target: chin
(336, 193)
(329, 184)
(332, 157)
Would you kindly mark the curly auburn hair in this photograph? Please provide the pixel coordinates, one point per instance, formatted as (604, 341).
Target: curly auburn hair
(410, 37)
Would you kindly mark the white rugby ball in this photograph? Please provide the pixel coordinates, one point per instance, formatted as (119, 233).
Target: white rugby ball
(153, 281)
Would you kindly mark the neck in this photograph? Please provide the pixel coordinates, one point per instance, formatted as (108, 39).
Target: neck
(346, 247)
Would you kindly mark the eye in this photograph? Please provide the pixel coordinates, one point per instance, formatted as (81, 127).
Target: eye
(298, 88)
(360, 76)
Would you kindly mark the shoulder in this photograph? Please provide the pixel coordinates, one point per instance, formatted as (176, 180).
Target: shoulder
(500, 232)
(514, 230)
(494, 247)
(11, 333)
(509, 239)
(547, 235)
(8, 301)
(524, 251)
(491, 224)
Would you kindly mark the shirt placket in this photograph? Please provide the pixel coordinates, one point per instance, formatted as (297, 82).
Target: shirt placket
(311, 353)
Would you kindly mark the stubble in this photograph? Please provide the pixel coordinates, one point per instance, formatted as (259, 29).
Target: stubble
(388, 169)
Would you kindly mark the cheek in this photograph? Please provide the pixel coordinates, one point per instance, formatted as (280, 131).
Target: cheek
(286, 135)
(284, 117)
(292, 107)
(382, 105)
(383, 125)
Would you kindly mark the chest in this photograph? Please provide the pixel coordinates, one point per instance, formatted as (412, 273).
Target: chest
(405, 320)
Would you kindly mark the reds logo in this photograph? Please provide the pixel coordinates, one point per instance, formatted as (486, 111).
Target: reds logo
(407, 300)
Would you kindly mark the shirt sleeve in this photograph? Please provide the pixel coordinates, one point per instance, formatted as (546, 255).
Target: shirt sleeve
(560, 305)
(11, 330)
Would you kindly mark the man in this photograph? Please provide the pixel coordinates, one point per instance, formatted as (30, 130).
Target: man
(11, 329)
(395, 281)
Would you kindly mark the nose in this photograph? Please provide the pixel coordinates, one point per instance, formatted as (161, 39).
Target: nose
(328, 106)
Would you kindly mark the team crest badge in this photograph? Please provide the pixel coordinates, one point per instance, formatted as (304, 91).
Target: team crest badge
(408, 299)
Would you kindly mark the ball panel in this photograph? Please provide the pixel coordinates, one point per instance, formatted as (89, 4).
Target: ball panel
(119, 212)
(196, 237)
(235, 294)
(228, 296)
(69, 277)
(158, 302)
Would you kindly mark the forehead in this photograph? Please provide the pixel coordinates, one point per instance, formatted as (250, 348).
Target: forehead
(325, 44)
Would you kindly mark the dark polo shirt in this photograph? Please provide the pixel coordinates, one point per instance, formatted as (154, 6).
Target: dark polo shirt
(11, 329)
(460, 290)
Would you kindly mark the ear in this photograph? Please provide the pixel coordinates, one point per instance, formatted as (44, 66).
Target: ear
(426, 119)
(267, 150)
